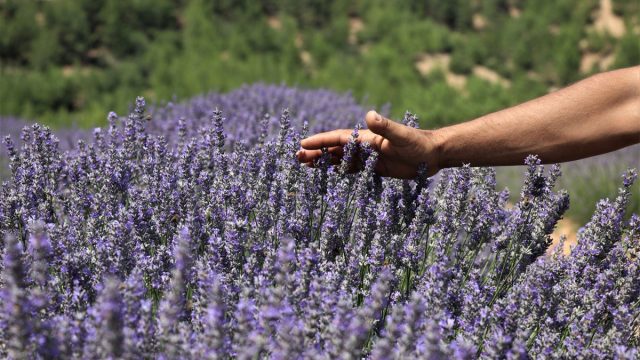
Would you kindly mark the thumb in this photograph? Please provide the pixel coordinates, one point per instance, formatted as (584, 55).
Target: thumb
(386, 128)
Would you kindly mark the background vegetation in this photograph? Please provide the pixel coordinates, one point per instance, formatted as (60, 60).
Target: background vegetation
(69, 62)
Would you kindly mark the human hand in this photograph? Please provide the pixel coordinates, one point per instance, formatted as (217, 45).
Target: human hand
(402, 148)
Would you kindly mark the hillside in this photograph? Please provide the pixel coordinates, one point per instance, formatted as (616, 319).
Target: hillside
(446, 61)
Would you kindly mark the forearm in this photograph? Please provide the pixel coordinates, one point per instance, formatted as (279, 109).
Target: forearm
(593, 116)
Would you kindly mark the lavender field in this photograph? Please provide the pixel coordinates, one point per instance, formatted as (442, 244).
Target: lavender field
(190, 231)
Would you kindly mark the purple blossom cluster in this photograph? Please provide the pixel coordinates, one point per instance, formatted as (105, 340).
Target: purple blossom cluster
(587, 180)
(253, 110)
(219, 244)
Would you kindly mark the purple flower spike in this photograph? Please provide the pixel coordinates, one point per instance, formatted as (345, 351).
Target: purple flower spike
(177, 233)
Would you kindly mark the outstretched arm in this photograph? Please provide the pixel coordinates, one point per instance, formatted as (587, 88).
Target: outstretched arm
(594, 116)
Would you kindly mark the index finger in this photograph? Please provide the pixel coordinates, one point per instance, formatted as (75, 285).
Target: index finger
(326, 139)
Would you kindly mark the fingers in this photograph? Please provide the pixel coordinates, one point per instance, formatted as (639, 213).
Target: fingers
(326, 139)
(308, 155)
(311, 155)
(393, 131)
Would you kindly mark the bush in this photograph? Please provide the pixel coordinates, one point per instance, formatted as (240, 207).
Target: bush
(462, 60)
(628, 53)
(193, 244)
(17, 30)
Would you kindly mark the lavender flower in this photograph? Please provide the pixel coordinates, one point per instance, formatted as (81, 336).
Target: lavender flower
(190, 231)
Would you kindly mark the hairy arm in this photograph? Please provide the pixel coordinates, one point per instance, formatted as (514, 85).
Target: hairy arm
(594, 116)
(591, 117)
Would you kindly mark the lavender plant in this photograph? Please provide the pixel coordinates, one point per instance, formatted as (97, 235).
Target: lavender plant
(210, 243)
(588, 180)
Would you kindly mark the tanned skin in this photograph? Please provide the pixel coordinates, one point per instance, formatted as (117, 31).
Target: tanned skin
(591, 117)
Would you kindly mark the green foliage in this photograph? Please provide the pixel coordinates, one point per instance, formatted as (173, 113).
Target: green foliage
(17, 30)
(70, 61)
(44, 51)
(599, 42)
(625, 7)
(456, 14)
(128, 26)
(462, 59)
(628, 53)
(67, 24)
(567, 57)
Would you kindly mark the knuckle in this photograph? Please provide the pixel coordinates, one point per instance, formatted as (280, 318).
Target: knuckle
(377, 141)
(385, 124)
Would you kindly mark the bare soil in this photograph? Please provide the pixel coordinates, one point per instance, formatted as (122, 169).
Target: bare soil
(568, 228)
(429, 62)
(607, 21)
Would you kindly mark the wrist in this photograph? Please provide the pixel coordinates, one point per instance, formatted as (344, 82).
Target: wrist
(434, 149)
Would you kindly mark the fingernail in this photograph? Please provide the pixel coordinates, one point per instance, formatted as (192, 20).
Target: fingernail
(378, 117)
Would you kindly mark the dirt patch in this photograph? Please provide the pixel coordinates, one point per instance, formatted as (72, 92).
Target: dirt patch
(514, 12)
(568, 228)
(427, 63)
(274, 22)
(588, 61)
(456, 81)
(40, 19)
(298, 41)
(491, 76)
(479, 22)
(305, 56)
(534, 75)
(600, 61)
(607, 21)
(355, 26)
(71, 70)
